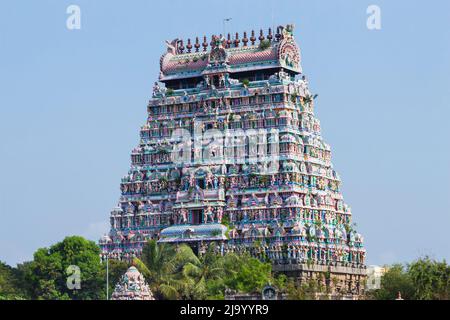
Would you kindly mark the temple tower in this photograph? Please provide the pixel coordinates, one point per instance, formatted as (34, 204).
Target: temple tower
(232, 153)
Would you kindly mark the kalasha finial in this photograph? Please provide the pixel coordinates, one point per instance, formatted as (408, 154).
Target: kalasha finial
(189, 46)
(261, 36)
(245, 39)
(229, 41)
(281, 31)
(236, 41)
(205, 43)
(269, 36)
(253, 38)
(197, 44)
(278, 34)
(181, 47)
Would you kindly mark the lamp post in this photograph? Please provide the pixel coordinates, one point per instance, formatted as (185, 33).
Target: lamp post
(107, 275)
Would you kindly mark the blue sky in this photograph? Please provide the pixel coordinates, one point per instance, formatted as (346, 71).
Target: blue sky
(72, 102)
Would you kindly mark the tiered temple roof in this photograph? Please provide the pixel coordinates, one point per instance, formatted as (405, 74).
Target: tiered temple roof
(268, 53)
(232, 153)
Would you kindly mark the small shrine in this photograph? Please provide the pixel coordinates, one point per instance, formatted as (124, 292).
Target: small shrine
(132, 286)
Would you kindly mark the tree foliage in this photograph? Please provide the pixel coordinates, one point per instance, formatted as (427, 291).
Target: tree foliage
(431, 279)
(162, 265)
(48, 273)
(9, 285)
(395, 280)
(175, 272)
(304, 291)
(423, 279)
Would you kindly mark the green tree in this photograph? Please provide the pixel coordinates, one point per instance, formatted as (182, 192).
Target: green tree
(9, 288)
(239, 272)
(47, 274)
(305, 291)
(430, 278)
(396, 279)
(205, 276)
(248, 274)
(423, 279)
(23, 272)
(162, 265)
(175, 272)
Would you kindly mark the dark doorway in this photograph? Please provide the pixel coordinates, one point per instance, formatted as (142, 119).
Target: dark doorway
(201, 183)
(196, 216)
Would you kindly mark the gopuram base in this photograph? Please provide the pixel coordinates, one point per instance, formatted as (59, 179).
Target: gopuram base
(338, 282)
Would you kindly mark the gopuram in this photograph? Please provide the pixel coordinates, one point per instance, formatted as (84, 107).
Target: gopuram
(231, 153)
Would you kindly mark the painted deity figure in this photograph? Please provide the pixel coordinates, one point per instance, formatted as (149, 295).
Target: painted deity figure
(307, 200)
(208, 215)
(219, 214)
(277, 200)
(313, 202)
(216, 182)
(197, 197)
(209, 180)
(260, 215)
(231, 215)
(183, 216)
(274, 214)
(272, 180)
(221, 182)
(312, 231)
(327, 218)
(287, 178)
(192, 180)
(233, 183)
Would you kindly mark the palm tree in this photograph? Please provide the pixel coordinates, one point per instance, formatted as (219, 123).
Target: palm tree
(162, 265)
(209, 269)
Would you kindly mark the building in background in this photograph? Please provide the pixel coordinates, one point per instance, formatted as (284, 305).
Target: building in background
(374, 274)
(231, 153)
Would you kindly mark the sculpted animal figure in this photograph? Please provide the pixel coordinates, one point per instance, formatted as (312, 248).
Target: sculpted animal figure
(172, 46)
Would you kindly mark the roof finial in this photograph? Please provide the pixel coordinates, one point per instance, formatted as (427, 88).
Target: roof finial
(245, 39)
(181, 47)
(197, 44)
(261, 35)
(269, 36)
(205, 43)
(278, 34)
(253, 38)
(189, 46)
(236, 41)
